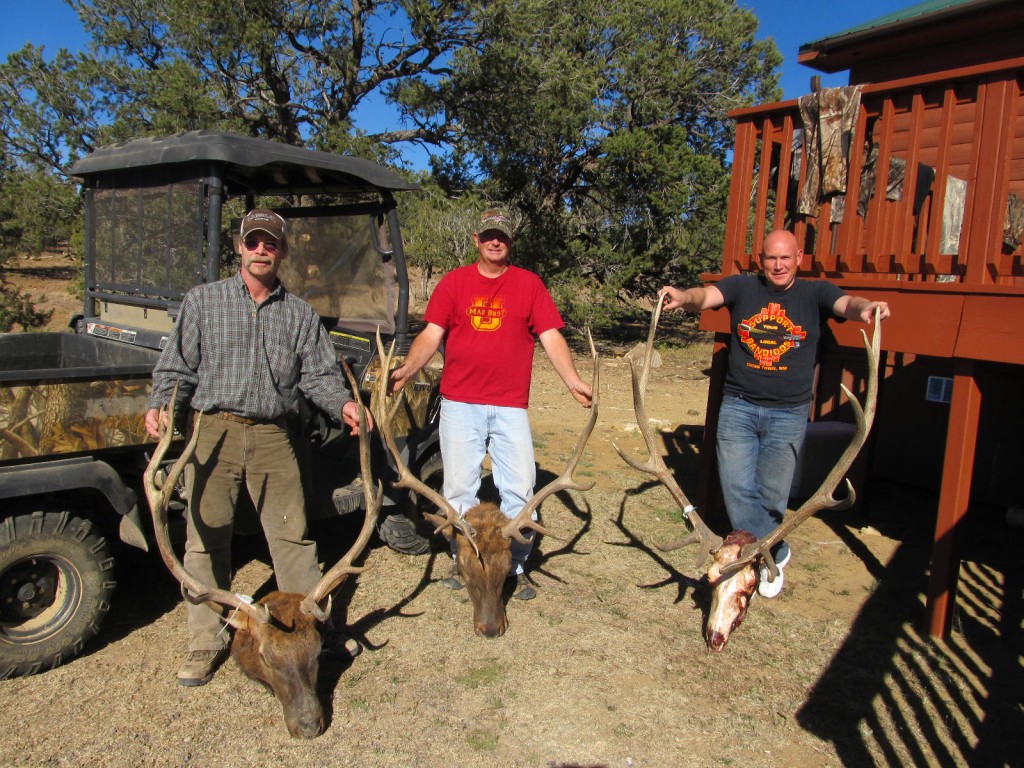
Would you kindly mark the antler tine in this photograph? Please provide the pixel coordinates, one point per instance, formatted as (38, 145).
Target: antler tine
(514, 529)
(372, 501)
(655, 465)
(159, 499)
(824, 497)
(406, 478)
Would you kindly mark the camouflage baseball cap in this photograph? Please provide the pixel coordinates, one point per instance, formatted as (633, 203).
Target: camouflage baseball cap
(495, 218)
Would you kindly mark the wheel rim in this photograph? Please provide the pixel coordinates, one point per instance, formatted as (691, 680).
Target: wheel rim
(38, 596)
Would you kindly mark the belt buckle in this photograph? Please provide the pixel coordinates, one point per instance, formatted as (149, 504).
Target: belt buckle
(229, 416)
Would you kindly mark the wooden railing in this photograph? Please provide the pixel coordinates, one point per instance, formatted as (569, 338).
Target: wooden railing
(960, 129)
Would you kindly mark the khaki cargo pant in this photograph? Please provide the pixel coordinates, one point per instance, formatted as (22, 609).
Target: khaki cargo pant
(260, 458)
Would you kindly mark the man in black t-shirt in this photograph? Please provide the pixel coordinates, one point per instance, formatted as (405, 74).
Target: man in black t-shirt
(776, 322)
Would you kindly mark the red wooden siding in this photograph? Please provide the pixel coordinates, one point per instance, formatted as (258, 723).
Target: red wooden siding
(967, 124)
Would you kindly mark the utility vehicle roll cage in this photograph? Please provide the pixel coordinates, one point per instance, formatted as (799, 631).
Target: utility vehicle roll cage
(155, 226)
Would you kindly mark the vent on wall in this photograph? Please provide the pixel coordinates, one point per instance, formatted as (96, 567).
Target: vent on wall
(940, 389)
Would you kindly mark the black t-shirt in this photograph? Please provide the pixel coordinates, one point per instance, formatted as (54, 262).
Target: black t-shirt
(775, 335)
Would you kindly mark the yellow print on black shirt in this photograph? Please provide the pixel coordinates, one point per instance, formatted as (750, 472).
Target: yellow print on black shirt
(769, 335)
(486, 313)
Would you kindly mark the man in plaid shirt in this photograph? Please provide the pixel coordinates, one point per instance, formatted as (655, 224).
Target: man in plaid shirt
(243, 349)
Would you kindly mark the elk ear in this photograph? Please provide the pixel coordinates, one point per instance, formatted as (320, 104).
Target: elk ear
(242, 622)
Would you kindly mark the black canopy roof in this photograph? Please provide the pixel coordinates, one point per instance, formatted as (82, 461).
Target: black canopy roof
(252, 165)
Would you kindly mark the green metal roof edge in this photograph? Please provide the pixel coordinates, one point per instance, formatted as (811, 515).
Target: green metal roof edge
(895, 18)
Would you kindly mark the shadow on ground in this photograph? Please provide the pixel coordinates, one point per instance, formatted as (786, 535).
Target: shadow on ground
(957, 701)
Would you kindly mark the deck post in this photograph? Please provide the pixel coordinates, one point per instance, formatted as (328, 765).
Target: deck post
(954, 497)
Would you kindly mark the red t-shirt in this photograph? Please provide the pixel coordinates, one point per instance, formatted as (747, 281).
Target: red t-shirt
(491, 325)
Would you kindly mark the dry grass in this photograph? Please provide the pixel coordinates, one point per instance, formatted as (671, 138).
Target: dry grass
(606, 667)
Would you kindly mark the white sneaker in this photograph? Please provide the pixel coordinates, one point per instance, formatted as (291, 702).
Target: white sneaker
(768, 588)
(784, 560)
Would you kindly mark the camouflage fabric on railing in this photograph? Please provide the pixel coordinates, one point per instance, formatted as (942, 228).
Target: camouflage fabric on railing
(829, 117)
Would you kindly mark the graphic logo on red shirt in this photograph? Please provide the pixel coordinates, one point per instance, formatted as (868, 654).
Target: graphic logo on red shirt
(486, 313)
(769, 335)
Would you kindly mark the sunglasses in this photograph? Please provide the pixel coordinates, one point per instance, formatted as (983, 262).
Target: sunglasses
(268, 245)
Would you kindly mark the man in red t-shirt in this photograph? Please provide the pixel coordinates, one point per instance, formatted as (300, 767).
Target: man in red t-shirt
(489, 315)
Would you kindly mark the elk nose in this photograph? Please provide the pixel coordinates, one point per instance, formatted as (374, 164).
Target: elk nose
(489, 630)
(308, 728)
(716, 640)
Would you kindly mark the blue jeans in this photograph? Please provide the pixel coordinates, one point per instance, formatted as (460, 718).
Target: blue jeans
(469, 432)
(757, 449)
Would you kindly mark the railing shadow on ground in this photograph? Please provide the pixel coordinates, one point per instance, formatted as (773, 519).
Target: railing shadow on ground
(891, 694)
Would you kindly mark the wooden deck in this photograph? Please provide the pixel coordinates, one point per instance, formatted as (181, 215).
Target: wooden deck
(952, 274)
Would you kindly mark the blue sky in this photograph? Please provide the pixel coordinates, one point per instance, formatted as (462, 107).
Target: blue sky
(791, 23)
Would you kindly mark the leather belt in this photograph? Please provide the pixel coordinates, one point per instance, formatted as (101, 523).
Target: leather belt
(280, 421)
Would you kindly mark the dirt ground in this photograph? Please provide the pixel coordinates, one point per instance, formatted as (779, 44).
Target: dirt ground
(52, 281)
(607, 665)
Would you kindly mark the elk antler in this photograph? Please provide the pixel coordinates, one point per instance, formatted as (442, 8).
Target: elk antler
(341, 570)
(406, 478)
(655, 465)
(514, 529)
(824, 497)
(159, 499)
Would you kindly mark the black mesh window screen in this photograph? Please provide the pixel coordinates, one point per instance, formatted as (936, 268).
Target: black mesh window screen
(149, 236)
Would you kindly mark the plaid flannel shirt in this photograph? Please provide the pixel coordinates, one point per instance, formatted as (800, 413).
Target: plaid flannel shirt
(230, 354)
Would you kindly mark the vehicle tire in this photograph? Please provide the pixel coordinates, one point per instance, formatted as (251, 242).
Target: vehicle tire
(406, 531)
(56, 580)
(400, 533)
(431, 472)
